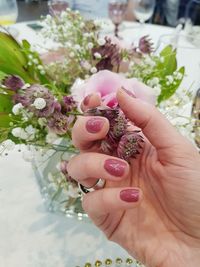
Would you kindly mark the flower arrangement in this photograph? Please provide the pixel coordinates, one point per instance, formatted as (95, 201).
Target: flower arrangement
(41, 94)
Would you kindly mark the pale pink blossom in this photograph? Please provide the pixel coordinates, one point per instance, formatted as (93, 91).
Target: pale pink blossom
(106, 84)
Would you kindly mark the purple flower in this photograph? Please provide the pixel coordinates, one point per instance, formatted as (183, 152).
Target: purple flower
(68, 104)
(130, 145)
(110, 55)
(29, 97)
(13, 82)
(58, 123)
(145, 45)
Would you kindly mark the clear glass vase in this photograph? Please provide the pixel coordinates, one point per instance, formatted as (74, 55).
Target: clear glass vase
(59, 194)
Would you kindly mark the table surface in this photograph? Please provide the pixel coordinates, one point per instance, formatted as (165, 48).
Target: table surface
(30, 236)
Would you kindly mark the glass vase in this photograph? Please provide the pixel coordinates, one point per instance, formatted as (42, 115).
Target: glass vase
(59, 194)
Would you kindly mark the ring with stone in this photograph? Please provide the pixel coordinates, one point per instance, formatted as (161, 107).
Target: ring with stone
(98, 185)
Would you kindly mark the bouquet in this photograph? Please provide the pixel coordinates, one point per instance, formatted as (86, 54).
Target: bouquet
(41, 94)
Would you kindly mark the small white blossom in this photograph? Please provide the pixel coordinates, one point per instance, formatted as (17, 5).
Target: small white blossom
(97, 55)
(8, 144)
(35, 61)
(40, 67)
(30, 56)
(179, 76)
(101, 41)
(30, 63)
(90, 45)
(51, 138)
(86, 65)
(17, 108)
(39, 103)
(93, 70)
(30, 129)
(42, 122)
(77, 47)
(27, 85)
(72, 54)
(170, 79)
(19, 133)
(82, 25)
(42, 72)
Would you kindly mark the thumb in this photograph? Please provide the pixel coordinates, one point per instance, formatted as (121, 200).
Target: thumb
(154, 125)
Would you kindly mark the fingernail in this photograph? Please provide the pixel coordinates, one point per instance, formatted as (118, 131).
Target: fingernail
(115, 167)
(94, 125)
(87, 100)
(129, 195)
(128, 92)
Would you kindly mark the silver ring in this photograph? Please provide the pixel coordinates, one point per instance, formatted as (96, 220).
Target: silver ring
(98, 185)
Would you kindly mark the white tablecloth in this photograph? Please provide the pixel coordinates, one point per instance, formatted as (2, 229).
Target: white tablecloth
(30, 236)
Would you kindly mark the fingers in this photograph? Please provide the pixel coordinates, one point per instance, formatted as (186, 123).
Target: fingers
(101, 203)
(154, 125)
(91, 101)
(87, 130)
(84, 166)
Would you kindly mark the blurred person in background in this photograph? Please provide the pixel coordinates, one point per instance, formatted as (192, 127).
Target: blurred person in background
(172, 12)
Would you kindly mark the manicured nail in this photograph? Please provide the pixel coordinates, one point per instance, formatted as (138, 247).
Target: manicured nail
(129, 195)
(87, 100)
(128, 92)
(94, 125)
(115, 167)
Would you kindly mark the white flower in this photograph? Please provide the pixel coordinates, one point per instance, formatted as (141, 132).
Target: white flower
(90, 45)
(82, 25)
(170, 79)
(28, 156)
(42, 72)
(101, 41)
(27, 85)
(17, 108)
(72, 54)
(8, 144)
(179, 76)
(93, 70)
(77, 47)
(35, 61)
(39, 103)
(51, 138)
(86, 65)
(19, 133)
(97, 55)
(42, 122)
(30, 129)
(40, 67)
(157, 90)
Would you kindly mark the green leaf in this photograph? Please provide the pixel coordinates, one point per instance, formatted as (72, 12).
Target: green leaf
(5, 103)
(5, 120)
(168, 91)
(12, 58)
(170, 63)
(2, 75)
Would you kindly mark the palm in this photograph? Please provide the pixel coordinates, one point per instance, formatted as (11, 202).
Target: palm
(162, 220)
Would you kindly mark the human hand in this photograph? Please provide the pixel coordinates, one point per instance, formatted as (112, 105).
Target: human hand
(152, 206)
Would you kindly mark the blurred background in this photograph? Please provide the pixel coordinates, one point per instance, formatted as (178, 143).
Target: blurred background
(163, 12)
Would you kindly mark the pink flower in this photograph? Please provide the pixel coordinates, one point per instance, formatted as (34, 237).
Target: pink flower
(106, 84)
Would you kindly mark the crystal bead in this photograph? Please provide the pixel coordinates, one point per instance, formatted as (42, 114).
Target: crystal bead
(118, 262)
(98, 263)
(88, 264)
(129, 262)
(108, 262)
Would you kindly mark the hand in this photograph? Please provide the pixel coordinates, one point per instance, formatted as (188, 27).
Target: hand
(152, 206)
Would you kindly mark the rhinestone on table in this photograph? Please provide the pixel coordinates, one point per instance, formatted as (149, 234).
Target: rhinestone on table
(108, 262)
(129, 262)
(98, 263)
(118, 262)
(88, 264)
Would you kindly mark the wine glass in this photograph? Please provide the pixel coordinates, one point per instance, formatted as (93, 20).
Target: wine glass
(143, 9)
(117, 10)
(57, 6)
(8, 12)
